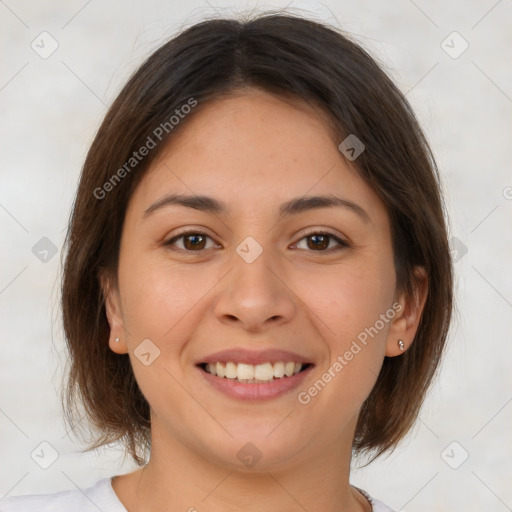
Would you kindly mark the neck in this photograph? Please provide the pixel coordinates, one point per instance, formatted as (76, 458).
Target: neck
(177, 478)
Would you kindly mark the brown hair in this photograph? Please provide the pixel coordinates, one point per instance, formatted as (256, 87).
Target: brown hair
(284, 55)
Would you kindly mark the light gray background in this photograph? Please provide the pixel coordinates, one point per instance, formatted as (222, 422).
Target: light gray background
(50, 110)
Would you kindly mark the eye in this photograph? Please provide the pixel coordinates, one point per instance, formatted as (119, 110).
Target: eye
(193, 241)
(318, 241)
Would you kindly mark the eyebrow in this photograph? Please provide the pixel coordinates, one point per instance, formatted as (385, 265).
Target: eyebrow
(291, 207)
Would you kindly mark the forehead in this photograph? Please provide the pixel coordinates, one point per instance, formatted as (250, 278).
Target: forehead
(251, 151)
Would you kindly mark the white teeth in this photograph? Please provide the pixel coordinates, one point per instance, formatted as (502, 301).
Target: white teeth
(288, 369)
(221, 369)
(249, 373)
(264, 371)
(231, 370)
(245, 371)
(278, 370)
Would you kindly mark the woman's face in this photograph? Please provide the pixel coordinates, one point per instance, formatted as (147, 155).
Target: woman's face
(255, 285)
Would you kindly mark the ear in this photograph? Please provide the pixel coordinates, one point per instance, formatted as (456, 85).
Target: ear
(114, 315)
(408, 315)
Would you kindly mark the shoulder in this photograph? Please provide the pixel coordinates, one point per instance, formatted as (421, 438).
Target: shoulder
(377, 506)
(98, 496)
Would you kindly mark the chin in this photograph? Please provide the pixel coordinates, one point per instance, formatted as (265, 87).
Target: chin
(256, 450)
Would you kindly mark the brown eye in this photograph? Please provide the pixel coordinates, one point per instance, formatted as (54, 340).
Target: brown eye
(321, 241)
(192, 241)
(318, 241)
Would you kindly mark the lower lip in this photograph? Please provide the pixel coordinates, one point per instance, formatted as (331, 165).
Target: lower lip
(254, 391)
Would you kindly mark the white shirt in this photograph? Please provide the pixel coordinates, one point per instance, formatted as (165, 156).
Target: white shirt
(100, 496)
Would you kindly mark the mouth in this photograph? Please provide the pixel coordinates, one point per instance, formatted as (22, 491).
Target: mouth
(254, 374)
(243, 381)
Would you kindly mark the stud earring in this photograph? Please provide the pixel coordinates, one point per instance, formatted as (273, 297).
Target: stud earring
(401, 345)
(117, 340)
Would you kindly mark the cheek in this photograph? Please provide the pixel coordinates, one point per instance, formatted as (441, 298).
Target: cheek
(161, 299)
(352, 312)
(349, 299)
(160, 303)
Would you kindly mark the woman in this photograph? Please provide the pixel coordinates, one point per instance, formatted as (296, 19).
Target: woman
(258, 281)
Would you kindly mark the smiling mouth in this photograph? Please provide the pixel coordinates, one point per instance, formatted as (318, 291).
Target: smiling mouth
(254, 374)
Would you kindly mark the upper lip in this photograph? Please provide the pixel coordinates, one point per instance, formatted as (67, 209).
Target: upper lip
(254, 357)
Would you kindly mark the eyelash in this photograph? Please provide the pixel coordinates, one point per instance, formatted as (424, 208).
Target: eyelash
(342, 243)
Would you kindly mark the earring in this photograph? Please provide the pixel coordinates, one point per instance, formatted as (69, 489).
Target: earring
(117, 340)
(401, 345)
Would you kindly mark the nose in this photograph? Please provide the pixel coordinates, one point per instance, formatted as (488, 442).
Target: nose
(255, 294)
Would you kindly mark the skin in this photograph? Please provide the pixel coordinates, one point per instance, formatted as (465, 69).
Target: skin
(253, 152)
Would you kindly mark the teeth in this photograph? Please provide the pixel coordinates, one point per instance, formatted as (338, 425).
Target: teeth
(245, 371)
(288, 369)
(220, 369)
(249, 373)
(231, 370)
(278, 370)
(263, 371)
